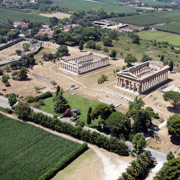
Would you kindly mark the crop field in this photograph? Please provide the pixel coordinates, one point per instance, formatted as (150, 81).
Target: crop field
(156, 3)
(27, 152)
(150, 18)
(160, 36)
(18, 15)
(78, 5)
(171, 27)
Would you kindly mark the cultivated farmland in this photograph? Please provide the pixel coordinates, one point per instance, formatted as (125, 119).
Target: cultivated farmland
(160, 36)
(171, 27)
(15, 15)
(146, 19)
(27, 152)
(78, 5)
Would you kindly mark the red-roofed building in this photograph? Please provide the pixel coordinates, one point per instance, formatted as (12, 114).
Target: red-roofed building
(21, 24)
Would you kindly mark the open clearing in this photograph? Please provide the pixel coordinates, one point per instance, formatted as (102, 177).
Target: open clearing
(160, 36)
(57, 15)
(27, 152)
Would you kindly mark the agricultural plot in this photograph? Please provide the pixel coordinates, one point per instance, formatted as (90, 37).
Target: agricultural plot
(147, 19)
(15, 15)
(160, 36)
(78, 5)
(28, 152)
(172, 28)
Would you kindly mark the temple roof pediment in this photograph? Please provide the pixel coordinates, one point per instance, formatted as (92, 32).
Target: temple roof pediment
(128, 74)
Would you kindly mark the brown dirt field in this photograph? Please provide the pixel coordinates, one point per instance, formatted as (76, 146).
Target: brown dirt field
(87, 164)
(10, 52)
(57, 15)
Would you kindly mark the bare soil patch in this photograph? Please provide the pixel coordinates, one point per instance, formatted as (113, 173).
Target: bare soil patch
(58, 15)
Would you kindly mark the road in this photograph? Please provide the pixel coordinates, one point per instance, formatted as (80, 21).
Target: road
(4, 102)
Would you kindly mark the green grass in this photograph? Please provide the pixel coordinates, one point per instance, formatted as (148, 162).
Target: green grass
(19, 15)
(75, 102)
(27, 152)
(79, 5)
(160, 36)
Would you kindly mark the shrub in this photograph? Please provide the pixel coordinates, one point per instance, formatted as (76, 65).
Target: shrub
(105, 49)
(7, 84)
(30, 99)
(5, 78)
(41, 102)
(9, 111)
(1, 72)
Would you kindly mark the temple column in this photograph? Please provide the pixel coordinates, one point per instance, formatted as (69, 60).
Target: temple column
(134, 87)
(129, 85)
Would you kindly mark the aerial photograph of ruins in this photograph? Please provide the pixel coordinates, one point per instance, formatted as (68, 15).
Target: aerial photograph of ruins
(89, 89)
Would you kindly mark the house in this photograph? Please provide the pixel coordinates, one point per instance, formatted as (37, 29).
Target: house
(49, 32)
(21, 24)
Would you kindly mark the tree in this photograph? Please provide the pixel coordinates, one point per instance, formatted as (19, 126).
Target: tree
(91, 44)
(81, 45)
(162, 58)
(170, 170)
(129, 59)
(53, 21)
(12, 99)
(5, 78)
(113, 34)
(60, 104)
(134, 106)
(173, 97)
(89, 115)
(113, 53)
(107, 42)
(171, 65)
(1, 72)
(139, 142)
(173, 125)
(102, 110)
(170, 156)
(26, 46)
(119, 124)
(23, 74)
(62, 51)
(135, 39)
(18, 52)
(22, 110)
(102, 79)
(146, 58)
(142, 121)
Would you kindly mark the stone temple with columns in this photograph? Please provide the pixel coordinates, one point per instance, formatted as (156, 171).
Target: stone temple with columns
(142, 77)
(85, 63)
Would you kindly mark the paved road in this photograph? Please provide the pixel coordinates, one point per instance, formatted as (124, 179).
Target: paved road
(4, 102)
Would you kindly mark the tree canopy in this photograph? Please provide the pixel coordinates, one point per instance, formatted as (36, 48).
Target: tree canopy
(173, 97)
(130, 59)
(173, 125)
(119, 124)
(170, 170)
(139, 142)
(12, 99)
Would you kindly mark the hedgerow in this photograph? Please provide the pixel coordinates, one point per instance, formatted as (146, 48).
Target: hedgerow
(11, 43)
(64, 162)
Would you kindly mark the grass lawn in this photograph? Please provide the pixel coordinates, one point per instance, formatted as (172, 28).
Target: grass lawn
(76, 102)
(160, 36)
(27, 152)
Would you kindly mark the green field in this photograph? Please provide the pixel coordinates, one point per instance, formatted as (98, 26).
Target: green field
(146, 19)
(79, 5)
(75, 102)
(18, 15)
(26, 152)
(171, 27)
(160, 36)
